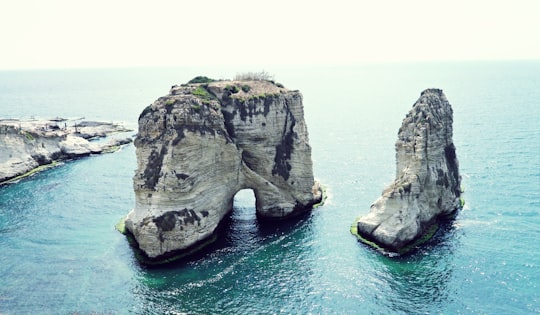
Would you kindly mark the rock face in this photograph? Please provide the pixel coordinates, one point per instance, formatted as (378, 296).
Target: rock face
(201, 144)
(28, 144)
(427, 184)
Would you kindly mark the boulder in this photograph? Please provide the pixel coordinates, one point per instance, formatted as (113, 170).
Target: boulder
(73, 146)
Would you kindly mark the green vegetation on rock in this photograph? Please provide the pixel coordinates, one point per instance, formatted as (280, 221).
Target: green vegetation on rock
(461, 199)
(233, 89)
(201, 79)
(31, 172)
(121, 226)
(354, 231)
(324, 196)
(111, 149)
(428, 234)
(246, 88)
(28, 135)
(203, 93)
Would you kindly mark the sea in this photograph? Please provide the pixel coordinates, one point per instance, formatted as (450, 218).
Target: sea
(60, 252)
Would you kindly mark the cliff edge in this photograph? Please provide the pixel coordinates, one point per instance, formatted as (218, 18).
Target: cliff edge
(427, 184)
(28, 145)
(201, 144)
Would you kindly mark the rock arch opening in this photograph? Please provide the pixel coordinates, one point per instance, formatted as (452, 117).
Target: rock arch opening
(241, 226)
(244, 204)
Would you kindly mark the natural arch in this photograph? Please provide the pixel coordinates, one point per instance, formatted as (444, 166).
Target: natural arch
(245, 199)
(203, 143)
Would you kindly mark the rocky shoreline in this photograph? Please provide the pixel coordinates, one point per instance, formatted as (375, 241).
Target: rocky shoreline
(34, 144)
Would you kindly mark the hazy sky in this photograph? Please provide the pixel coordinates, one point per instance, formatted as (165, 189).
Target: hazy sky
(120, 33)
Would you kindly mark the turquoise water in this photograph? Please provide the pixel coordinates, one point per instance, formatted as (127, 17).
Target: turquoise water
(60, 254)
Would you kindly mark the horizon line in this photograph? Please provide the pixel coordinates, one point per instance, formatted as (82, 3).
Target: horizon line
(258, 65)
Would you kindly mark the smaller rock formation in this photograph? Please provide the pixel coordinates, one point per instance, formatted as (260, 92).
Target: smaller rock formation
(427, 184)
(200, 145)
(30, 144)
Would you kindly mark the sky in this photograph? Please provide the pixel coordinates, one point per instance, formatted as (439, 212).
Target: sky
(44, 34)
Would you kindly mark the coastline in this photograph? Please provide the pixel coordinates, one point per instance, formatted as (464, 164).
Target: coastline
(31, 172)
(31, 146)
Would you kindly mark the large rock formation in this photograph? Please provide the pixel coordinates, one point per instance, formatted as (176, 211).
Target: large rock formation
(29, 144)
(427, 184)
(201, 144)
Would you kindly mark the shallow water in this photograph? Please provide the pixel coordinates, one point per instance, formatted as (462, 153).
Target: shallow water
(60, 253)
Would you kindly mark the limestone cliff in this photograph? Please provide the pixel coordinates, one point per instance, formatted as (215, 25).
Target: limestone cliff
(29, 144)
(427, 184)
(201, 144)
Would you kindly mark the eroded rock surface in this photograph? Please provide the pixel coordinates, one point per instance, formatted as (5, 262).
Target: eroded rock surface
(28, 144)
(427, 184)
(201, 144)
